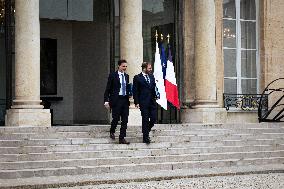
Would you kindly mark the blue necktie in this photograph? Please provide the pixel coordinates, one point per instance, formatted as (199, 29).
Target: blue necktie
(123, 85)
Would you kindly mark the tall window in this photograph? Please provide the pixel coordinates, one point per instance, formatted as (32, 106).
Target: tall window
(240, 45)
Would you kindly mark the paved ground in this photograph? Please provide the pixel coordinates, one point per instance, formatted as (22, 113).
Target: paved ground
(256, 181)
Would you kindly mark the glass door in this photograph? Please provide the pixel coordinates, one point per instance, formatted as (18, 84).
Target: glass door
(161, 16)
(2, 63)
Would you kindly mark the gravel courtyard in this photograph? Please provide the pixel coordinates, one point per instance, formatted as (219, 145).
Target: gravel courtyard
(257, 181)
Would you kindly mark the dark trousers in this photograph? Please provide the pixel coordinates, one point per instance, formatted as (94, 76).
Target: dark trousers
(148, 114)
(120, 110)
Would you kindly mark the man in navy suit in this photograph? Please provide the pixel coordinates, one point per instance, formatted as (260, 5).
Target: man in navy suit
(116, 97)
(144, 95)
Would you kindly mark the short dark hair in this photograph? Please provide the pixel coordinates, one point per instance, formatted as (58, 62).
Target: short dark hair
(121, 61)
(145, 65)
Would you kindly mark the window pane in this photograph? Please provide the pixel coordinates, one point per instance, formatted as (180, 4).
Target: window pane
(229, 33)
(249, 64)
(249, 86)
(248, 9)
(229, 9)
(230, 86)
(248, 35)
(157, 15)
(230, 63)
(79, 10)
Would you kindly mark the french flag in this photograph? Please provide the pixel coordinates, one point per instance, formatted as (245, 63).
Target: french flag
(158, 74)
(170, 82)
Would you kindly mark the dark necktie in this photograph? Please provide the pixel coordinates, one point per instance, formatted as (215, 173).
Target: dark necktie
(123, 85)
(148, 79)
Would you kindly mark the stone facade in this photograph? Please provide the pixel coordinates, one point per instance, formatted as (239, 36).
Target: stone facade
(202, 35)
(272, 45)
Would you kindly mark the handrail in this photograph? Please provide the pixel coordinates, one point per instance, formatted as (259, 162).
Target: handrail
(263, 116)
(246, 102)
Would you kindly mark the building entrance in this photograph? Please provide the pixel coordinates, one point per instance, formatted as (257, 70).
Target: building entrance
(161, 16)
(6, 55)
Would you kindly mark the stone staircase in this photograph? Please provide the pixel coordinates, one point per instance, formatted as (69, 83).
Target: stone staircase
(61, 151)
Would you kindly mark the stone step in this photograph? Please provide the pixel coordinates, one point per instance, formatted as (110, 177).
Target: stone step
(86, 141)
(143, 167)
(134, 152)
(233, 131)
(136, 160)
(201, 132)
(197, 147)
(94, 181)
(97, 128)
(155, 138)
(115, 146)
(228, 142)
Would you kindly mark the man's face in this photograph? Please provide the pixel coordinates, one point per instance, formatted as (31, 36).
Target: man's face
(149, 69)
(122, 67)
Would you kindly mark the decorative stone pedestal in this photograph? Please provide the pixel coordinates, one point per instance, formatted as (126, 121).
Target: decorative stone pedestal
(28, 117)
(204, 115)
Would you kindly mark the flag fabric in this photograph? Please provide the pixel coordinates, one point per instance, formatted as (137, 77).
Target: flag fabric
(163, 60)
(160, 83)
(170, 82)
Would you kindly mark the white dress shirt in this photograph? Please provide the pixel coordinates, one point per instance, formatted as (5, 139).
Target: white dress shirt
(145, 76)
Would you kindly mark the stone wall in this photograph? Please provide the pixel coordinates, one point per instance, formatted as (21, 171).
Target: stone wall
(219, 51)
(271, 40)
(62, 31)
(272, 46)
(188, 56)
(91, 62)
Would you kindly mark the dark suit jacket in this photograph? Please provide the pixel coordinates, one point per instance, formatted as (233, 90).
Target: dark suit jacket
(144, 93)
(113, 88)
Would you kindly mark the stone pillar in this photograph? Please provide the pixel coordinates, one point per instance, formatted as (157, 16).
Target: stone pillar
(206, 109)
(26, 109)
(131, 45)
(205, 54)
(131, 41)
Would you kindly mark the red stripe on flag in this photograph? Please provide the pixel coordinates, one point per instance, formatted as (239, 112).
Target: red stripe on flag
(172, 93)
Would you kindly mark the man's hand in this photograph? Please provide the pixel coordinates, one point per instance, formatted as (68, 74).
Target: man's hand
(106, 105)
(137, 105)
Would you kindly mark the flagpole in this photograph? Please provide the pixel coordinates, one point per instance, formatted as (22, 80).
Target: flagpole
(168, 36)
(156, 36)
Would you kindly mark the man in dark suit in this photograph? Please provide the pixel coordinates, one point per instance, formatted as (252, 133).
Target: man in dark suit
(144, 95)
(116, 97)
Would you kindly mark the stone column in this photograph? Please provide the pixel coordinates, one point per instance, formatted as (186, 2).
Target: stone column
(131, 44)
(206, 109)
(205, 54)
(131, 41)
(26, 109)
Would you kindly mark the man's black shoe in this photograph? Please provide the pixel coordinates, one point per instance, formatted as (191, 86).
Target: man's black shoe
(111, 135)
(147, 140)
(123, 141)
